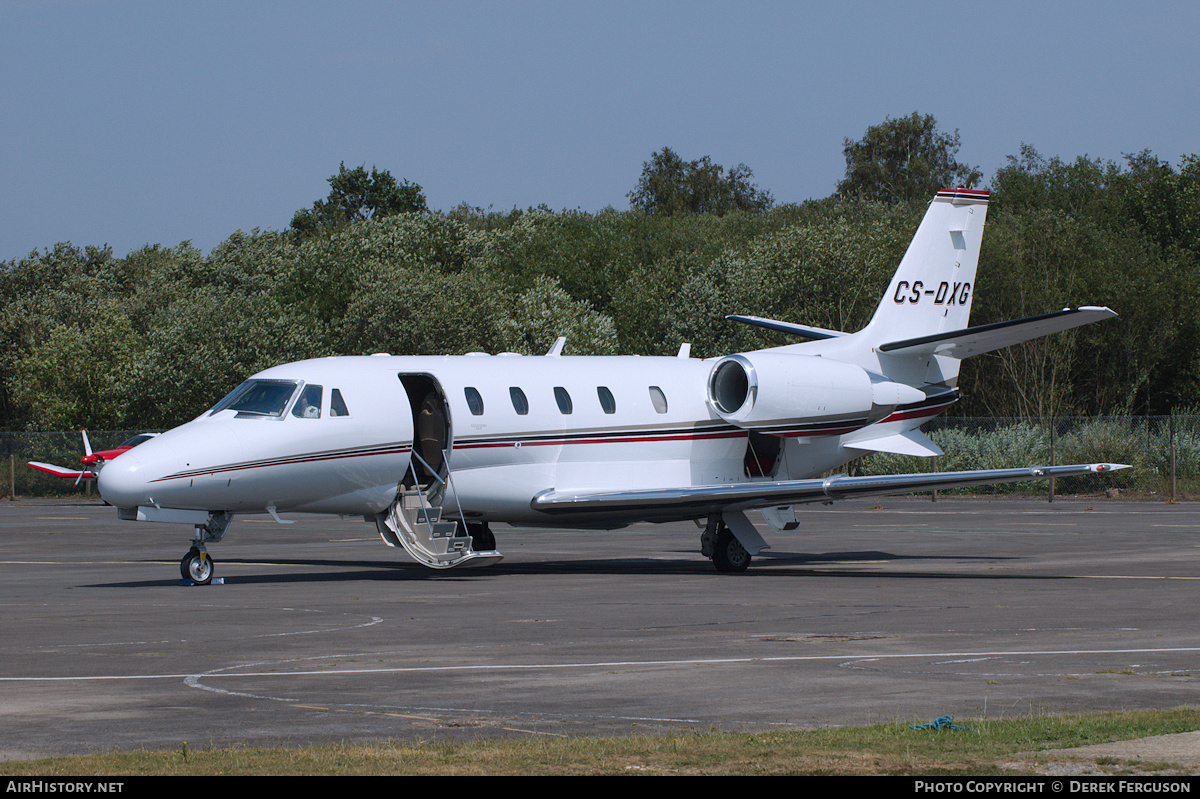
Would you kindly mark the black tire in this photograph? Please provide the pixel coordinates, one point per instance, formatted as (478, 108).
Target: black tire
(729, 556)
(183, 564)
(197, 566)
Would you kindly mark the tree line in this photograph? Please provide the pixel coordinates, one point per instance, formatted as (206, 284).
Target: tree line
(152, 339)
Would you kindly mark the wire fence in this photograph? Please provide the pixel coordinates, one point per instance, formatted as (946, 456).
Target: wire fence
(1164, 452)
(61, 448)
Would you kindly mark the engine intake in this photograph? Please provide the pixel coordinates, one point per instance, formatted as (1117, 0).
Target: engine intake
(793, 394)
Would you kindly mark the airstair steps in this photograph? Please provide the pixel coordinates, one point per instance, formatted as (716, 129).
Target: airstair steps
(416, 524)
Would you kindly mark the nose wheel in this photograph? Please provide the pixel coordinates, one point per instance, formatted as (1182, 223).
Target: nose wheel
(197, 566)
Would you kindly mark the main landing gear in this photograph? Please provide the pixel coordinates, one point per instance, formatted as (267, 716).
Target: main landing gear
(719, 543)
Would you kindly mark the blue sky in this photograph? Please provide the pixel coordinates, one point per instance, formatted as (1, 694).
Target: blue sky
(133, 123)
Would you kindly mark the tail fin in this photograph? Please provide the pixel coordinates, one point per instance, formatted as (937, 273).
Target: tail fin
(932, 288)
(920, 332)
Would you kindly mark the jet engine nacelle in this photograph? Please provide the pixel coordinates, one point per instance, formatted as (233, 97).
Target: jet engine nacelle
(765, 389)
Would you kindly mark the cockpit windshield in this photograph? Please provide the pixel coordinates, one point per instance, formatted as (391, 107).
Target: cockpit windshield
(258, 398)
(138, 439)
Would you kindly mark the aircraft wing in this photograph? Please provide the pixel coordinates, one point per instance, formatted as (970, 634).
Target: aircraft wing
(985, 338)
(59, 471)
(804, 331)
(694, 501)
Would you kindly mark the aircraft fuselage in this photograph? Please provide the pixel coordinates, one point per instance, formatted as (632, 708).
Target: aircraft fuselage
(515, 427)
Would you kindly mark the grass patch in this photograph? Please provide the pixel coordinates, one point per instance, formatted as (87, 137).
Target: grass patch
(990, 748)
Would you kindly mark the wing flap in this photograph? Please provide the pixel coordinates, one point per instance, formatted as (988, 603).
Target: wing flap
(693, 501)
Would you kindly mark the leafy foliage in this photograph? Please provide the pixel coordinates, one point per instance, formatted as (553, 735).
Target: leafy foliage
(152, 339)
(904, 159)
(669, 185)
(355, 195)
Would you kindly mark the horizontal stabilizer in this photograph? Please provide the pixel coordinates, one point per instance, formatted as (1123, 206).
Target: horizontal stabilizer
(910, 442)
(985, 338)
(804, 331)
(695, 501)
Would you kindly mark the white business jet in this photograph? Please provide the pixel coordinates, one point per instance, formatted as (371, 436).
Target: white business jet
(432, 450)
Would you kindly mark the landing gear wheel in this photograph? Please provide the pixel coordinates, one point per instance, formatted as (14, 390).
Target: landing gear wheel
(197, 566)
(729, 556)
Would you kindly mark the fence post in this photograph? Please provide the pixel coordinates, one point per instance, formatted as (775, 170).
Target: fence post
(1053, 461)
(935, 472)
(1172, 434)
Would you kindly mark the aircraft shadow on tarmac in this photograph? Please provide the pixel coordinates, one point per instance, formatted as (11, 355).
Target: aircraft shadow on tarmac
(259, 571)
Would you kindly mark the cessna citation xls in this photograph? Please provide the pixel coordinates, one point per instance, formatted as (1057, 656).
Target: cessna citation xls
(431, 450)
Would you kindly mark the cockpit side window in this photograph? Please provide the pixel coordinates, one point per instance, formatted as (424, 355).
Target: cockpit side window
(309, 404)
(337, 406)
(258, 398)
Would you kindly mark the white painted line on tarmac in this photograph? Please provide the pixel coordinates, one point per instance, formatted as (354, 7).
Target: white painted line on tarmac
(492, 668)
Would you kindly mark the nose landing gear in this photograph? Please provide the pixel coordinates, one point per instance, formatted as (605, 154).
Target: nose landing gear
(197, 566)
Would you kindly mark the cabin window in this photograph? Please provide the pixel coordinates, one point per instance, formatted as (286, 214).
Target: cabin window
(563, 399)
(337, 405)
(474, 401)
(520, 404)
(606, 400)
(258, 398)
(658, 399)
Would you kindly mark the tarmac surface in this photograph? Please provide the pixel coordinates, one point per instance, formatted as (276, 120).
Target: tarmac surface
(875, 611)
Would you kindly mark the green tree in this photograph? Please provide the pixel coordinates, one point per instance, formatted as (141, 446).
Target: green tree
(1081, 189)
(355, 194)
(1165, 204)
(904, 159)
(76, 377)
(669, 185)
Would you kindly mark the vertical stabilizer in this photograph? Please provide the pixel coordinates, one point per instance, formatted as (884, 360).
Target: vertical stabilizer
(932, 289)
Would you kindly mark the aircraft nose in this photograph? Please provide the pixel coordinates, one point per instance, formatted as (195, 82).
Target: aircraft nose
(122, 482)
